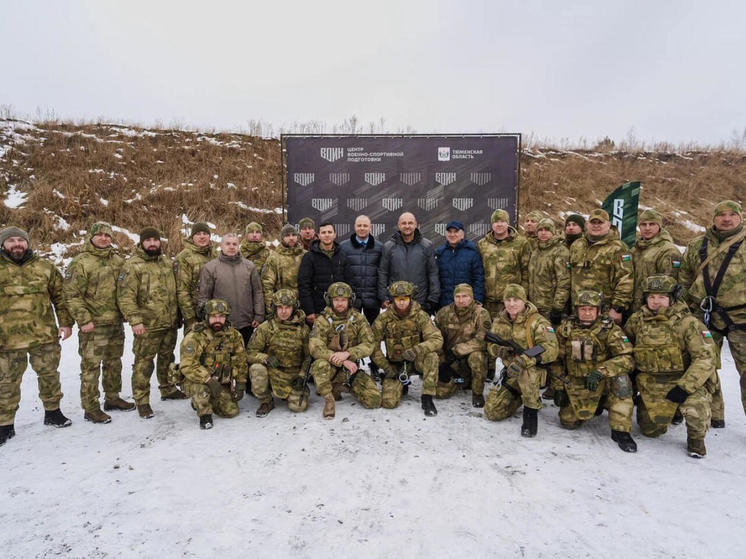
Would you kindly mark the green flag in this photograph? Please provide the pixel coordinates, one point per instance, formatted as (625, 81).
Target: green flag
(621, 205)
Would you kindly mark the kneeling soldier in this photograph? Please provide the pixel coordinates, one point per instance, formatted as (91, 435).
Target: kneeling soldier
(213, 358)
(411, 339)
(597, 357)
(463, 361)
(675, 356)
(520, 322)
(278, 353)
(340, 338)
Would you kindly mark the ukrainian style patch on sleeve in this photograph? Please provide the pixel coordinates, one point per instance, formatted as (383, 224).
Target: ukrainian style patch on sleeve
(706, 334)
(550, 329)
(626, 257)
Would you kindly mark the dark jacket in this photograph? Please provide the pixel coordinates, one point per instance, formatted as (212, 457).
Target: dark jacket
(413, 262)
(317, 272)
(361, 263)
(461, 264)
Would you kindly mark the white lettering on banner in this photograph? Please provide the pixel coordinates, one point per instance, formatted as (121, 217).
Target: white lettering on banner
(444, 154)
(392, 204)
(440, 228)
(357, 204)
(462, 204)
(428, 204)
(497, 203)
(339, 178)
(359, 155)
(481, 179)
(445, 178)
(479, 229)
(618, 218)
(303, 179)
(323, 204)
(332, 154)
(342, 229)
(374, 179)
(466, 153)
(377, 229)
(410, 178)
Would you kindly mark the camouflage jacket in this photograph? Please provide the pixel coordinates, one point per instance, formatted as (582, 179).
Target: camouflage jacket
(655, 256)
(414, 331)
(603, 346)
(604, 266)
(504, 262)
(28, 291)
(549, 276)
(146, 291)
(286, 340)
(732, 290)
(355, 336)
(205, 353)
(527, 330)
(90, 285)
(257, 252)
(463, 330)
(280, 271)
(187, 266)
(673, 343)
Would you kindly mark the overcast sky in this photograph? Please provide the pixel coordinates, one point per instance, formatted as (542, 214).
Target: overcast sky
(668, 70)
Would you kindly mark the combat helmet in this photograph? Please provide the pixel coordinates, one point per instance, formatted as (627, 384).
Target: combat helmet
(284, 297)
(588, 298)
(401, 288)
(339, 289)
(217, 306)
(661, 283)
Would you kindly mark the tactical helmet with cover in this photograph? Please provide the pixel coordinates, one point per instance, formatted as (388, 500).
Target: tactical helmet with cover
(401, 288)
(661, 283)
(588, 298)
(217, 306)
(285, 298)
(339, 289)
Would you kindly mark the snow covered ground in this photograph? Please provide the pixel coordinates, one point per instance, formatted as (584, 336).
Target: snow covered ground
(380, 483)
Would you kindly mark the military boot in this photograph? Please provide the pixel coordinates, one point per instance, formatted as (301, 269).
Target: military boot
(548, 394)
(265, 408)
(477, 400)
(337, 393)
(205, 421)
(145, 411)
(329, 411)
(530, 422)
(428, 405)
(56, 419)
(117, 403)
(174, 394)
(696, 447)
(717, 423)
(7, 432)
(97, 416)
(678, 417)
(624, 440)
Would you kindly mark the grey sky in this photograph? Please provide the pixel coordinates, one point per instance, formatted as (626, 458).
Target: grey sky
(664, 70)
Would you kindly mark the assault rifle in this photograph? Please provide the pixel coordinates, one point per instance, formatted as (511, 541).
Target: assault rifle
(534, 352)
(304, 388)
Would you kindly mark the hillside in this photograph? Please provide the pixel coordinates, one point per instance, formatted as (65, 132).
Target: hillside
(57, 178)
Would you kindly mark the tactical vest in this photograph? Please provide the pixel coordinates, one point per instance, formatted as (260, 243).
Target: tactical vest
(217, 353)
(400, 335)
(585, 348)
(286, 343)
(658, 348)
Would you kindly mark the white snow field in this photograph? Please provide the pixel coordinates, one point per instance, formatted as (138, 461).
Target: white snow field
(380, 483)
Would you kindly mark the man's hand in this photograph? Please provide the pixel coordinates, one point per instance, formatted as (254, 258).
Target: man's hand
(386, 304)
(311, 318)
(460, 350)
(64, 332)
(87, 327)
(338, 358)
(138, 329)
(254, 323)
(615, 316)
(593, 379)
(351, 366)
(272, 362)
(408, 355)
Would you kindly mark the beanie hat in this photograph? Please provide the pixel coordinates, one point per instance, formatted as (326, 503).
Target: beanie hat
(199, 227)
(463, 288)
(499, 215)
(101, 227)
(516, 291)
(306, 222)
(728, 205)
(149, 233)
(9, 232)
(651, 215)
(547, 224)
(286, 230)
(576, 218)
(535, 215)
(253, 226)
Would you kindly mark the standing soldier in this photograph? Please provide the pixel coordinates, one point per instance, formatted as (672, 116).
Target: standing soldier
(31, 295)
(90, 290)
(675, 356)
(253, 246)
(340, 339)
(198, 250)
(279, 357)
(574, 227)
(307, 228)
(548, 274)
(146, 292)
(599, 261)
(530, 230)
(522, 324)
(654, 253)
(214, 365)
(412, 342)
(592, 371)
(463, 360)
(281, 268)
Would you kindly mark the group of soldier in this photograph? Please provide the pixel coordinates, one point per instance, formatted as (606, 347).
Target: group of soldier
(602, 326)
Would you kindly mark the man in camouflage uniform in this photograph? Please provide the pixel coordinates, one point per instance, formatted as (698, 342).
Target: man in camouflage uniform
(280, 271)
(599, 261)
(340, 339)
(279, 356)
(214, 365)
(675, 356)
(654, 253)
(530, 230)
(592, 371)
(548, 274)
(463, 360)
(720, 304)
(307, 228)
(146, 291)
(521, 323)
(198, 250)
(412, 342)
(574, 227)
(90, 290)
(31, 291)
(253, 247)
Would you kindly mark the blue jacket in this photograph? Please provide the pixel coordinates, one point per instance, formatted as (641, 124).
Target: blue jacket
(462, 264)
(361, 270)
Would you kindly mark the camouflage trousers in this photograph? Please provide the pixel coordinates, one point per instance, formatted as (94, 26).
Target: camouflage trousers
(472, 368)
(426, 366)
(329, 378)
(44, 361)
(615, 395)
(737, 344)
(280, 381)
(205, 403)
(504, 400)
(100, 354)
(654, 412)
(146, 347)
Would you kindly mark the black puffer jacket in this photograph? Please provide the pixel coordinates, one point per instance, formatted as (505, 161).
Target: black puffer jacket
(361, 270)
(413, 262)
(317, 272)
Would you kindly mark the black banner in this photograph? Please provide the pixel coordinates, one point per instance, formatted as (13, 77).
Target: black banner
(438, 178)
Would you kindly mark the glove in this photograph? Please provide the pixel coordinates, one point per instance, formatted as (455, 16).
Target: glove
(500, 351)
(239, 391)
(677, 395)
(555, 317)
(272, 362)
(390, 373)
(519, 364)
(408, 355)
(592, 379)
(215, 387)
(560, 398)
(297, 384)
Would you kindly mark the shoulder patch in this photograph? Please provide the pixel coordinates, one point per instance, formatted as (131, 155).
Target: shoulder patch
(68, 273)
(625, 339)
(676, 263)
(706, 334)
(550, 329)
(626, 257)
(189, 348)
(122, 275)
